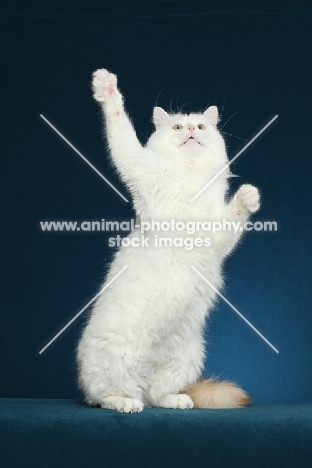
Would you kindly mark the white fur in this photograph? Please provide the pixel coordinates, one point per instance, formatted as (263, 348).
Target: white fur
(144, 342)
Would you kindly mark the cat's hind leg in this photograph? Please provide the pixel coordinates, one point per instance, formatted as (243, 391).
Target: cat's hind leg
(176, 401)
(122, 404)
(108, 371)
(180, 363)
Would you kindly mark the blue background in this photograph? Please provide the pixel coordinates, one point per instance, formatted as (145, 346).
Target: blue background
(251, 62)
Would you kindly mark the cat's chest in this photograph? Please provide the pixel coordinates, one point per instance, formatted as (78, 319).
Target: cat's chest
(178, 184)
(169, 190)
(173, 194)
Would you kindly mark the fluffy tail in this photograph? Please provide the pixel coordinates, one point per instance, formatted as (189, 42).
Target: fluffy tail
(214, 394)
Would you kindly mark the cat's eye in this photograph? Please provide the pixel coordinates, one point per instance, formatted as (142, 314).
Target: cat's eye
(201, 127)
(177, 127)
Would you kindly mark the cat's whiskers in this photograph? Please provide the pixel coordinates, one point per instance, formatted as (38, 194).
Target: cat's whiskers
(230, 134)
(227, 121)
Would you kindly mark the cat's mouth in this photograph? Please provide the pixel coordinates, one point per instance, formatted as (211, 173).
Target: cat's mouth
(191, 141)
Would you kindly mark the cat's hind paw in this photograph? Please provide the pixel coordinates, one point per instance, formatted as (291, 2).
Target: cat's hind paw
(104, 84)
(122, 404)
(176, 401)
(248, 196)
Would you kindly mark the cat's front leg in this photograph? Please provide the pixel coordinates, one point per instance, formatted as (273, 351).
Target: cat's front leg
(125, 149)
(104, 85)
(245, 202)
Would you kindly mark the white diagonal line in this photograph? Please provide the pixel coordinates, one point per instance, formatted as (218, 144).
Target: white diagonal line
(84, 158)
(235, 310)
(233, 159)
(82, 310)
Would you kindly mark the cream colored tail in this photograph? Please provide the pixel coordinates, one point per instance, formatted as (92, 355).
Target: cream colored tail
(214, 394)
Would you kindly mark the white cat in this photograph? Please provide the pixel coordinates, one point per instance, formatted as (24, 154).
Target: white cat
(143, 344)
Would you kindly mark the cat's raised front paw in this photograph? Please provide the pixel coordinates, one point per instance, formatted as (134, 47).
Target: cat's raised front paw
(248, 196)
(104, 84)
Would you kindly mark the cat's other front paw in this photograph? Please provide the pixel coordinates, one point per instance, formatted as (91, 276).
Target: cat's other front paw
(249, 198)
(104, 85)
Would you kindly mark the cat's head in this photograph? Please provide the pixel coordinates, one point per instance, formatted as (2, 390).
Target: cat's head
(188, 134)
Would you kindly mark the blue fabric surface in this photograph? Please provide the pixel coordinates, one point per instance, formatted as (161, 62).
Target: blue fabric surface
(65, 433)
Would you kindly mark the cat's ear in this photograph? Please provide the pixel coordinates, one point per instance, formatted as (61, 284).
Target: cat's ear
(159, 116)
(212, 115)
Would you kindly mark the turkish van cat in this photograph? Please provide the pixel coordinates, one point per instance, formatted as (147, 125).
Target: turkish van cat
(143, 344)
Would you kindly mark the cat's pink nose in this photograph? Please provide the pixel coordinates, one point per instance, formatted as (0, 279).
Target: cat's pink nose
(191, 128)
